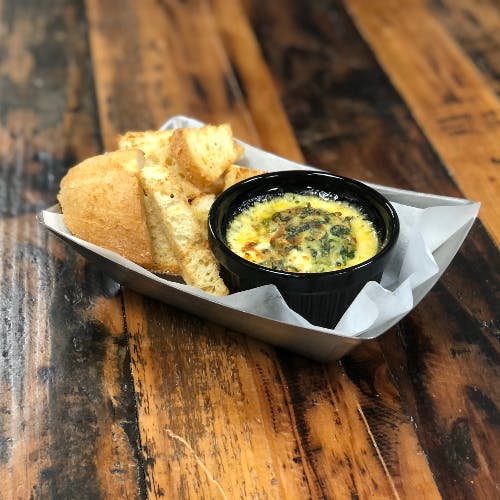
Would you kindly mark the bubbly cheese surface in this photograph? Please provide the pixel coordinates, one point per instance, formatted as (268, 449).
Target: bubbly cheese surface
(302, 234)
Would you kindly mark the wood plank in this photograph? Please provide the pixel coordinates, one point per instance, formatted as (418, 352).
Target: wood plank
(65, 414)
(202, 421)
(449, 379)
(474, 26)
(202, 86)
(449, 98)
(255, 80)
(310, 471)
(362, 129)
(343, 108)
(391, 429)
(338, 108)
(276, 390)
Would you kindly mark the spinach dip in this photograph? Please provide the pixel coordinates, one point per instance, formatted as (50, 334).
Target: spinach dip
(302, 234)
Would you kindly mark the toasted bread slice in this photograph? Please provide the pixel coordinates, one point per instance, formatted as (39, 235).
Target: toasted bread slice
(188, 188)
(155, 144)
(198, 265)
(102, 202)
(204, 153)
(200, 207)
(236, 173)
(164, 260)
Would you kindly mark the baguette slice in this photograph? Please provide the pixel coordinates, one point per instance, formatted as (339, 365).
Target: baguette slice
(204, 153)
(198, 265)
(102, 202)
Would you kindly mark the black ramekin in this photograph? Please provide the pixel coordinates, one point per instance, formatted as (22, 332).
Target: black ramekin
(321, 298)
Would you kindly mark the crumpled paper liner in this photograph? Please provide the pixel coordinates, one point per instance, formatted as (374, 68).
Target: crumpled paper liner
(432, 230)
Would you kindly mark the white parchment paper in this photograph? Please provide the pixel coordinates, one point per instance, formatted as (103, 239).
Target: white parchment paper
(432, 230)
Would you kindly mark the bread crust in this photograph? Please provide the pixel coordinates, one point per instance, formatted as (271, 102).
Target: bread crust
(237, 173)
(102, 203)
(204, 153)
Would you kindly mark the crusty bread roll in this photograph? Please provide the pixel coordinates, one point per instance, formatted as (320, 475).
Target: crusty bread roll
(102, 202)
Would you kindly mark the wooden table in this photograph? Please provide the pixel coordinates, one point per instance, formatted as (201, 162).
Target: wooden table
(108, 394)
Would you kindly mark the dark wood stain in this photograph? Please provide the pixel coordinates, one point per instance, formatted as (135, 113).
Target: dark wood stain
(231, 90)
(448, 443)
(350, 120)
(48, 121)
(198, 88)
(238, 84)
(485, 404)
(349, 125)
(470, 26)
(458, 447)
(305, 385)
(361, 128)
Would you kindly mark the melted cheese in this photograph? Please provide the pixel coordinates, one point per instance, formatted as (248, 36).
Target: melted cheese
(302, 233)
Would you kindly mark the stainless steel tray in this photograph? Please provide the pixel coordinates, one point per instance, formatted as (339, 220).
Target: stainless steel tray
(262, 313)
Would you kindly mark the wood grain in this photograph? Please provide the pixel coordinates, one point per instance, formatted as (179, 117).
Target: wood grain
(202, 84)
(449, 98)
(108, 394)
(255, 80)
(305, 457)
(455, 371)
(365, 131)
(67, 427)
(474, 26)
(202, 419)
